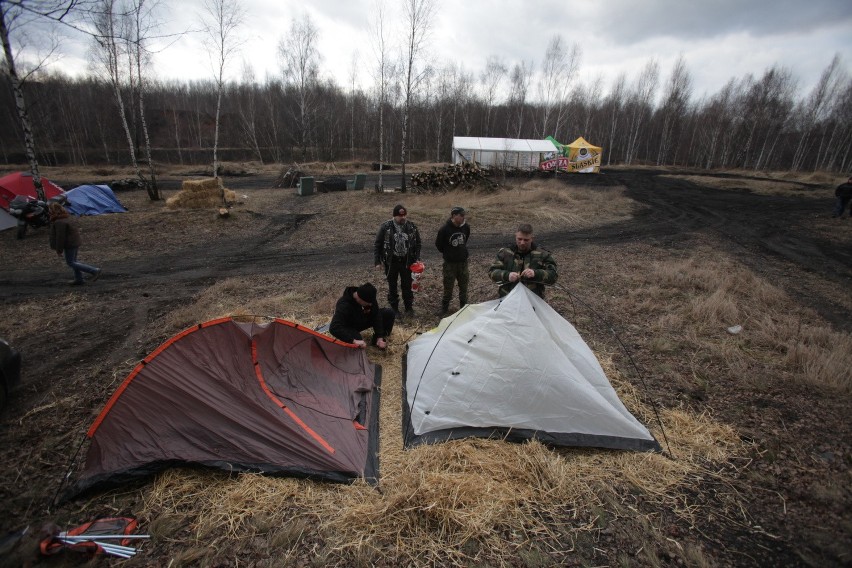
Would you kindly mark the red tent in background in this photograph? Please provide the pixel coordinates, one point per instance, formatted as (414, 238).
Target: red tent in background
(274, 398)
(21, 183)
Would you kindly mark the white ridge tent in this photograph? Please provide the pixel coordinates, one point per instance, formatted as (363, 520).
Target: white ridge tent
(508, 153)
(513, 368)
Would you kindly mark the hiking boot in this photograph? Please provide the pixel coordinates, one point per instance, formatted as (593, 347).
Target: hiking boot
(96, 275)
(445, 309)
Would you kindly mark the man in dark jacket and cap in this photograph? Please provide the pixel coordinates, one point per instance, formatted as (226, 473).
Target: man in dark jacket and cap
(358, 310)
(452, 242)
(397, 247)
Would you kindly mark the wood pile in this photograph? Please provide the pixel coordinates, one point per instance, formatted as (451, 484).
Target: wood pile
(289, 178)
(200, 194)
(466, 175)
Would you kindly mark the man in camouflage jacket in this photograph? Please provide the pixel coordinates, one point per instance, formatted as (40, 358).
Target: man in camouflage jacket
(524, 262)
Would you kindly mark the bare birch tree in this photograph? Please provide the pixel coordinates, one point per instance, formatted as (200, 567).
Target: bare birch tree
(418, 19)
(614, 105)
(142, 23)
(639, 105)
(381, 50)
(675, 102)
(300, 59)
(815, 106)
(248, 110)
(111, 31)
(519, 80)
(222, 23)
(558, 69)
(12, 14)
(491, 78)
(353, 77)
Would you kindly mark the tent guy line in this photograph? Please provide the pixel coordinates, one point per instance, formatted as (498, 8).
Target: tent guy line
(573, 296)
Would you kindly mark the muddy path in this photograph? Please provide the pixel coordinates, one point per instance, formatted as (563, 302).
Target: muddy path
(772, 235)
(674, 213)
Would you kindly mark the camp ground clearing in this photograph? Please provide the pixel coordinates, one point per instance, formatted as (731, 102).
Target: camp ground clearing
(656, 267)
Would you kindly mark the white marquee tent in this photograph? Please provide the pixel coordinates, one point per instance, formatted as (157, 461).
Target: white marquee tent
(502, 152)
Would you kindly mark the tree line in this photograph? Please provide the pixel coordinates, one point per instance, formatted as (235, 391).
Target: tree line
(122, 114)
(751, 122)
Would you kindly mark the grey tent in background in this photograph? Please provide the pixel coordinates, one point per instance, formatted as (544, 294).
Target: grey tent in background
(7, 221)
(513, 368)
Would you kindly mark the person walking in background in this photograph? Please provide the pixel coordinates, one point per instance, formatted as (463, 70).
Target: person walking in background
(356, 310)
(452, 241)
(65, 239)
(524, 262)
(842, 197)
(396, 248)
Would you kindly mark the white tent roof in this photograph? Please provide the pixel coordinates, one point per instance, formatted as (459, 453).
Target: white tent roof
(513, 368)
(502, 144)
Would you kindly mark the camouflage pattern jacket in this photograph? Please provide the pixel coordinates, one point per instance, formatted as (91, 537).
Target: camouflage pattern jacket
(509, 259)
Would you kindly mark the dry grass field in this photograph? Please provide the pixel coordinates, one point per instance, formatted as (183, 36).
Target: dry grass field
(655, 267)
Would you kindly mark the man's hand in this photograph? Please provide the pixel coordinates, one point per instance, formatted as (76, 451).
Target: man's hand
(528, 273)
(381, 343)
(514, 277)
(360, 343)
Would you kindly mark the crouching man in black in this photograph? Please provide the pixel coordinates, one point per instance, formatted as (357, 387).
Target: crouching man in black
(356, 311)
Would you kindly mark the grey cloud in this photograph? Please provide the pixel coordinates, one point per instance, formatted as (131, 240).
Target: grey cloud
(626, 21)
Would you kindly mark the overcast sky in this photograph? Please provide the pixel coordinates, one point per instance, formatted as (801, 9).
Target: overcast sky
(719, 39)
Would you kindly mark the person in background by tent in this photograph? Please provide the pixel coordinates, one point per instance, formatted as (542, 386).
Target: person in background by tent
(524, 262)
(358, 310)
(65, 239)
(842, 197)
(452, 242)
(396, 248)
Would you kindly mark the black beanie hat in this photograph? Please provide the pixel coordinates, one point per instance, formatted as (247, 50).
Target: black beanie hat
(367, 292)
(397, 210)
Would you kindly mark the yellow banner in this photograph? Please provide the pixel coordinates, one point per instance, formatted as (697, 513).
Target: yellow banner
(583, 160)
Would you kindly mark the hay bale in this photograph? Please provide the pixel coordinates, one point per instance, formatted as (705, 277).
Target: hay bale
(202, 184)
(196, 198)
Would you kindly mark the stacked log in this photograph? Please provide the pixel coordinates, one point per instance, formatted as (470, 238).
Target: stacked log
(289, 177)
(466, 175)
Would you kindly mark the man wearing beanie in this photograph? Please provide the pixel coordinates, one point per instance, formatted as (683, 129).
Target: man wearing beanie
(397, 247)
(358, 310)
(452, 242)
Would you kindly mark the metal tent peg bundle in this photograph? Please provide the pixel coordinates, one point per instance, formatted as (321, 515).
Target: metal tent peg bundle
(110, 535)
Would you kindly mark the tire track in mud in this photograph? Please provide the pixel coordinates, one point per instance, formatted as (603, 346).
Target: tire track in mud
(764, 232)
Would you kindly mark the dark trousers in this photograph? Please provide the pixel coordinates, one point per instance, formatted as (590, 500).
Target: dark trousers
(388, 318)
(398, 271)
(455, 272)
(840, 204)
